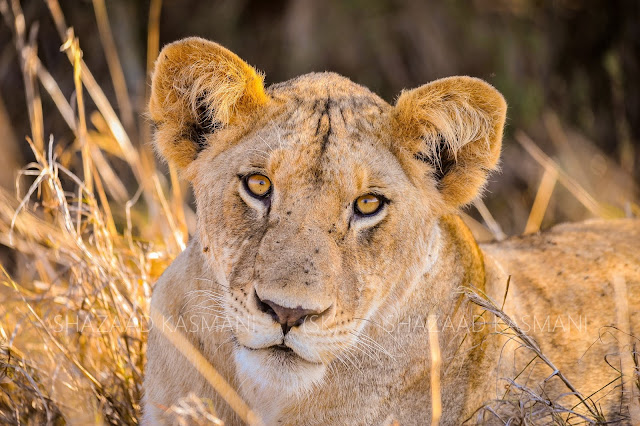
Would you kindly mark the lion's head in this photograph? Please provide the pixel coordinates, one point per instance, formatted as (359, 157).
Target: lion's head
(317, 200)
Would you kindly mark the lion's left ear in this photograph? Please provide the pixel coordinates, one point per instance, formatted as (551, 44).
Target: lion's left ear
(198, 88)
(453, 126)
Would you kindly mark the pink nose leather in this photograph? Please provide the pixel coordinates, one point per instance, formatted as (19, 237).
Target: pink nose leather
(286, 317)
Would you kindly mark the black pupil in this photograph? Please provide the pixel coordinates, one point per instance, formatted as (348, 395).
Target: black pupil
(258, 185)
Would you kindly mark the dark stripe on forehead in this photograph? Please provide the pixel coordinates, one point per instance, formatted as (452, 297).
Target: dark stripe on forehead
(325, 116)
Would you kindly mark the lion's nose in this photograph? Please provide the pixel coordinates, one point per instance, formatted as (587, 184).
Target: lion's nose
(286, 317)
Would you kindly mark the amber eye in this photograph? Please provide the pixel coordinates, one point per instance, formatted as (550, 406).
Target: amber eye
(258, 185)
(369, 204)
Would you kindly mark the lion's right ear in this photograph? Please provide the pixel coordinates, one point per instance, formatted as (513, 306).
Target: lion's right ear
(452, 130)
(199, 87)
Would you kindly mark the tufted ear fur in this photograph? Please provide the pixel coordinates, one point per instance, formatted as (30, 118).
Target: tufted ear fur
(454, 126)
(199, 87)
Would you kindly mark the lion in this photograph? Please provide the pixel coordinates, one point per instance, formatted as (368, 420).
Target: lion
(327, 236)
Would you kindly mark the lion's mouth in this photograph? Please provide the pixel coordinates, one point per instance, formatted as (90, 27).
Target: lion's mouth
(284, 354)
(283, 348)
(281, 352)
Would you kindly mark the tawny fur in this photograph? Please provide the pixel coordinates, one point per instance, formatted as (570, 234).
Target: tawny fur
(323, 141)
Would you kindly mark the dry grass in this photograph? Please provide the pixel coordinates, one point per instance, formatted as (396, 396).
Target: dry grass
(73, 324)
(521, 403)
(73, 312)
(527, 402)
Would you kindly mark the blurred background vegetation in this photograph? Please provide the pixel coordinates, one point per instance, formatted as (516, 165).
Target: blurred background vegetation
(91, 247)
(568, 69)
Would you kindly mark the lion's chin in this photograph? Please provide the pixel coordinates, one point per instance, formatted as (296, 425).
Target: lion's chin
(276, 369)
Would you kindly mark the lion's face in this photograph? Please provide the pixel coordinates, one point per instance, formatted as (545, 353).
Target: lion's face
(302, 240)
(317, 201)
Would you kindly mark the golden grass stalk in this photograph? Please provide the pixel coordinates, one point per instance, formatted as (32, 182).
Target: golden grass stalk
(153, 36)
(493, 226)
(480, 232)
(74, 45)
(113, 62)
(193, 411)
(541, 202)
(436, 361)
(153, 49)
(26, 52)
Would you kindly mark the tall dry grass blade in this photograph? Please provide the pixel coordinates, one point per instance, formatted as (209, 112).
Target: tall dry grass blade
(26, 51)
(541, 202)
(436, 361)
(192, 411)
(73, 45)
(113, 62)
(114, 185)
(204, 367)
(493, 226)
(178, 236)
(104, 202)
(153, 49)
(567, 181)
(128, 206)
(177, 201)
(153, 37)
(627, 150)
(52, 88)
(10, 153)
(480, 232)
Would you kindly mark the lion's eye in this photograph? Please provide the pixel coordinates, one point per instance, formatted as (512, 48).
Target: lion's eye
(258, 185)
(368, 205)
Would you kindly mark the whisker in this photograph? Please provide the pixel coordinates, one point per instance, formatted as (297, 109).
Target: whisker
(369, 348)
(213, 281)
(365, 352)
(375, 345)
